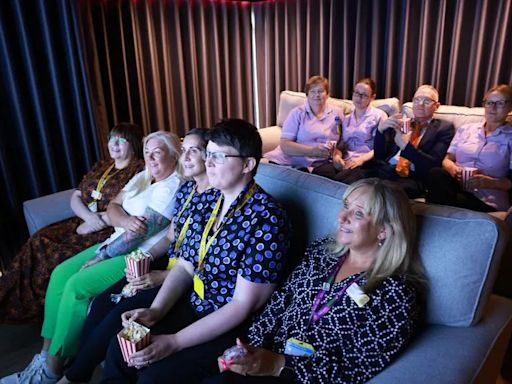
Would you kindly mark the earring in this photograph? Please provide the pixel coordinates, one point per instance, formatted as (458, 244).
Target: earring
(380, 243)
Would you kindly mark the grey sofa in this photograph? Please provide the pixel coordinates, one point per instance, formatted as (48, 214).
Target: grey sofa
(467, 327)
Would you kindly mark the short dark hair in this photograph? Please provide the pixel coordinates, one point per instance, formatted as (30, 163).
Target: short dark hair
(131, 132)
(202, 133)
(239, 134)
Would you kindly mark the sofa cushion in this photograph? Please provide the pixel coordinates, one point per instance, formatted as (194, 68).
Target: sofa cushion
(289, 100)
(456, 115)
(312, 202)
(459, 248)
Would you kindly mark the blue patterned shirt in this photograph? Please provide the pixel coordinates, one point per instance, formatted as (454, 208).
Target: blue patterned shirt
(198, 202)
(252, 242)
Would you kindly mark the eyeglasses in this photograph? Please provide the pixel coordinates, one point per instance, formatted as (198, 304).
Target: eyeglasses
(218, 157)
(192, 152)
(361, 95)
(497, 103)
(423, 100)
(117, 140)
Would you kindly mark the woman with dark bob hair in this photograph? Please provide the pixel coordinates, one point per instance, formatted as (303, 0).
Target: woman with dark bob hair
(23, 285)
(349, 308)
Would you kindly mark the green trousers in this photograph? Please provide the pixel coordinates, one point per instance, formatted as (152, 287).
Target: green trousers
(68, 295)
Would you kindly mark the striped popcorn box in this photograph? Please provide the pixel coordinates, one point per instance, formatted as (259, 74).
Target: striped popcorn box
(133, 338)
(138, 262)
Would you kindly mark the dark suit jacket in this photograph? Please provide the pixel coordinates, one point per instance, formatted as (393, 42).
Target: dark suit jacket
(430, 152)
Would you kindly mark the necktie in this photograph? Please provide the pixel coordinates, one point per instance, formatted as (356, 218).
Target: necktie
(403, 165)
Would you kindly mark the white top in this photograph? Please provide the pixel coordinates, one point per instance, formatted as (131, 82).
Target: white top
(158, 196)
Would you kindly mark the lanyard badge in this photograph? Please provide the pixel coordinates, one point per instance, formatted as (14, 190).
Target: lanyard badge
(199, 286)
(296, 347)
(93, 206)
(356, 293)
(96, 195)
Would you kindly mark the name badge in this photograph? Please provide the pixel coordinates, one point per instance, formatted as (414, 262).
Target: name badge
(295, 347)
(93, 207)
(356, 293)
(96, 195)
(199, 286)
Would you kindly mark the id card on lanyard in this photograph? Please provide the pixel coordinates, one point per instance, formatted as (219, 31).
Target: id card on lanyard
(205, 243)
(96, 194)
(318, 310)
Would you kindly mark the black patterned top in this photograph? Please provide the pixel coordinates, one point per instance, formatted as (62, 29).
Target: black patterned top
(352, 344)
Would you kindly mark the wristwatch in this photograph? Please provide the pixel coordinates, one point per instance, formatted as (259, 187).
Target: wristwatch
(287, 371)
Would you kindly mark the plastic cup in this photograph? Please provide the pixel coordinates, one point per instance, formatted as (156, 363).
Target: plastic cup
(330, 145)
(405, 126)
(467, 173)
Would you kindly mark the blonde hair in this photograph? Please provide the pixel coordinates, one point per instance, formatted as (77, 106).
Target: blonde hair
(173, 145)
(388, 206)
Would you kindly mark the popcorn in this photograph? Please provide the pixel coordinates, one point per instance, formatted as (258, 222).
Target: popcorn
(138, 262)
(133, 338)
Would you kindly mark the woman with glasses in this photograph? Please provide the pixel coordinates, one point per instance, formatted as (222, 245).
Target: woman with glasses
(140, 213)
(23, 284)
(310, 130)
(103, 319)
(483, 152)
(355, 143)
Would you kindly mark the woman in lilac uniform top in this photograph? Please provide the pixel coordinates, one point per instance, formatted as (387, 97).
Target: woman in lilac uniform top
(310, 130)
(486, 146)
(355, 144)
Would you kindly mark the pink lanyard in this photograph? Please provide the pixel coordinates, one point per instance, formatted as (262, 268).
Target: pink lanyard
(316, 312)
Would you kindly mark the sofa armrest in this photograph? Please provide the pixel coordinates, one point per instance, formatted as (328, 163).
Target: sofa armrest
(47, 210)
(445, 354)
(270, 137)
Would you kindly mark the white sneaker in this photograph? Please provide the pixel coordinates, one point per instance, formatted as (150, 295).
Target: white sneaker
(36, 362)
(34, 373)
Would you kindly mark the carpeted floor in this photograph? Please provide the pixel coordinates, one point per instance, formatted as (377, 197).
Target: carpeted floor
(18, 344)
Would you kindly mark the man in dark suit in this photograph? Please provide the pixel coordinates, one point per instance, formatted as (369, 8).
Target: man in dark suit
(406, 158)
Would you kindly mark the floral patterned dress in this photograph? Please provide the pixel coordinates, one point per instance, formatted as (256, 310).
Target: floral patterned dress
(23, 285)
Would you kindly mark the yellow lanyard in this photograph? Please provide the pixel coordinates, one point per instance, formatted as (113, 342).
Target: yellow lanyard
(104, 178)
(187, 202)
(184, 229)
(205, 245)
